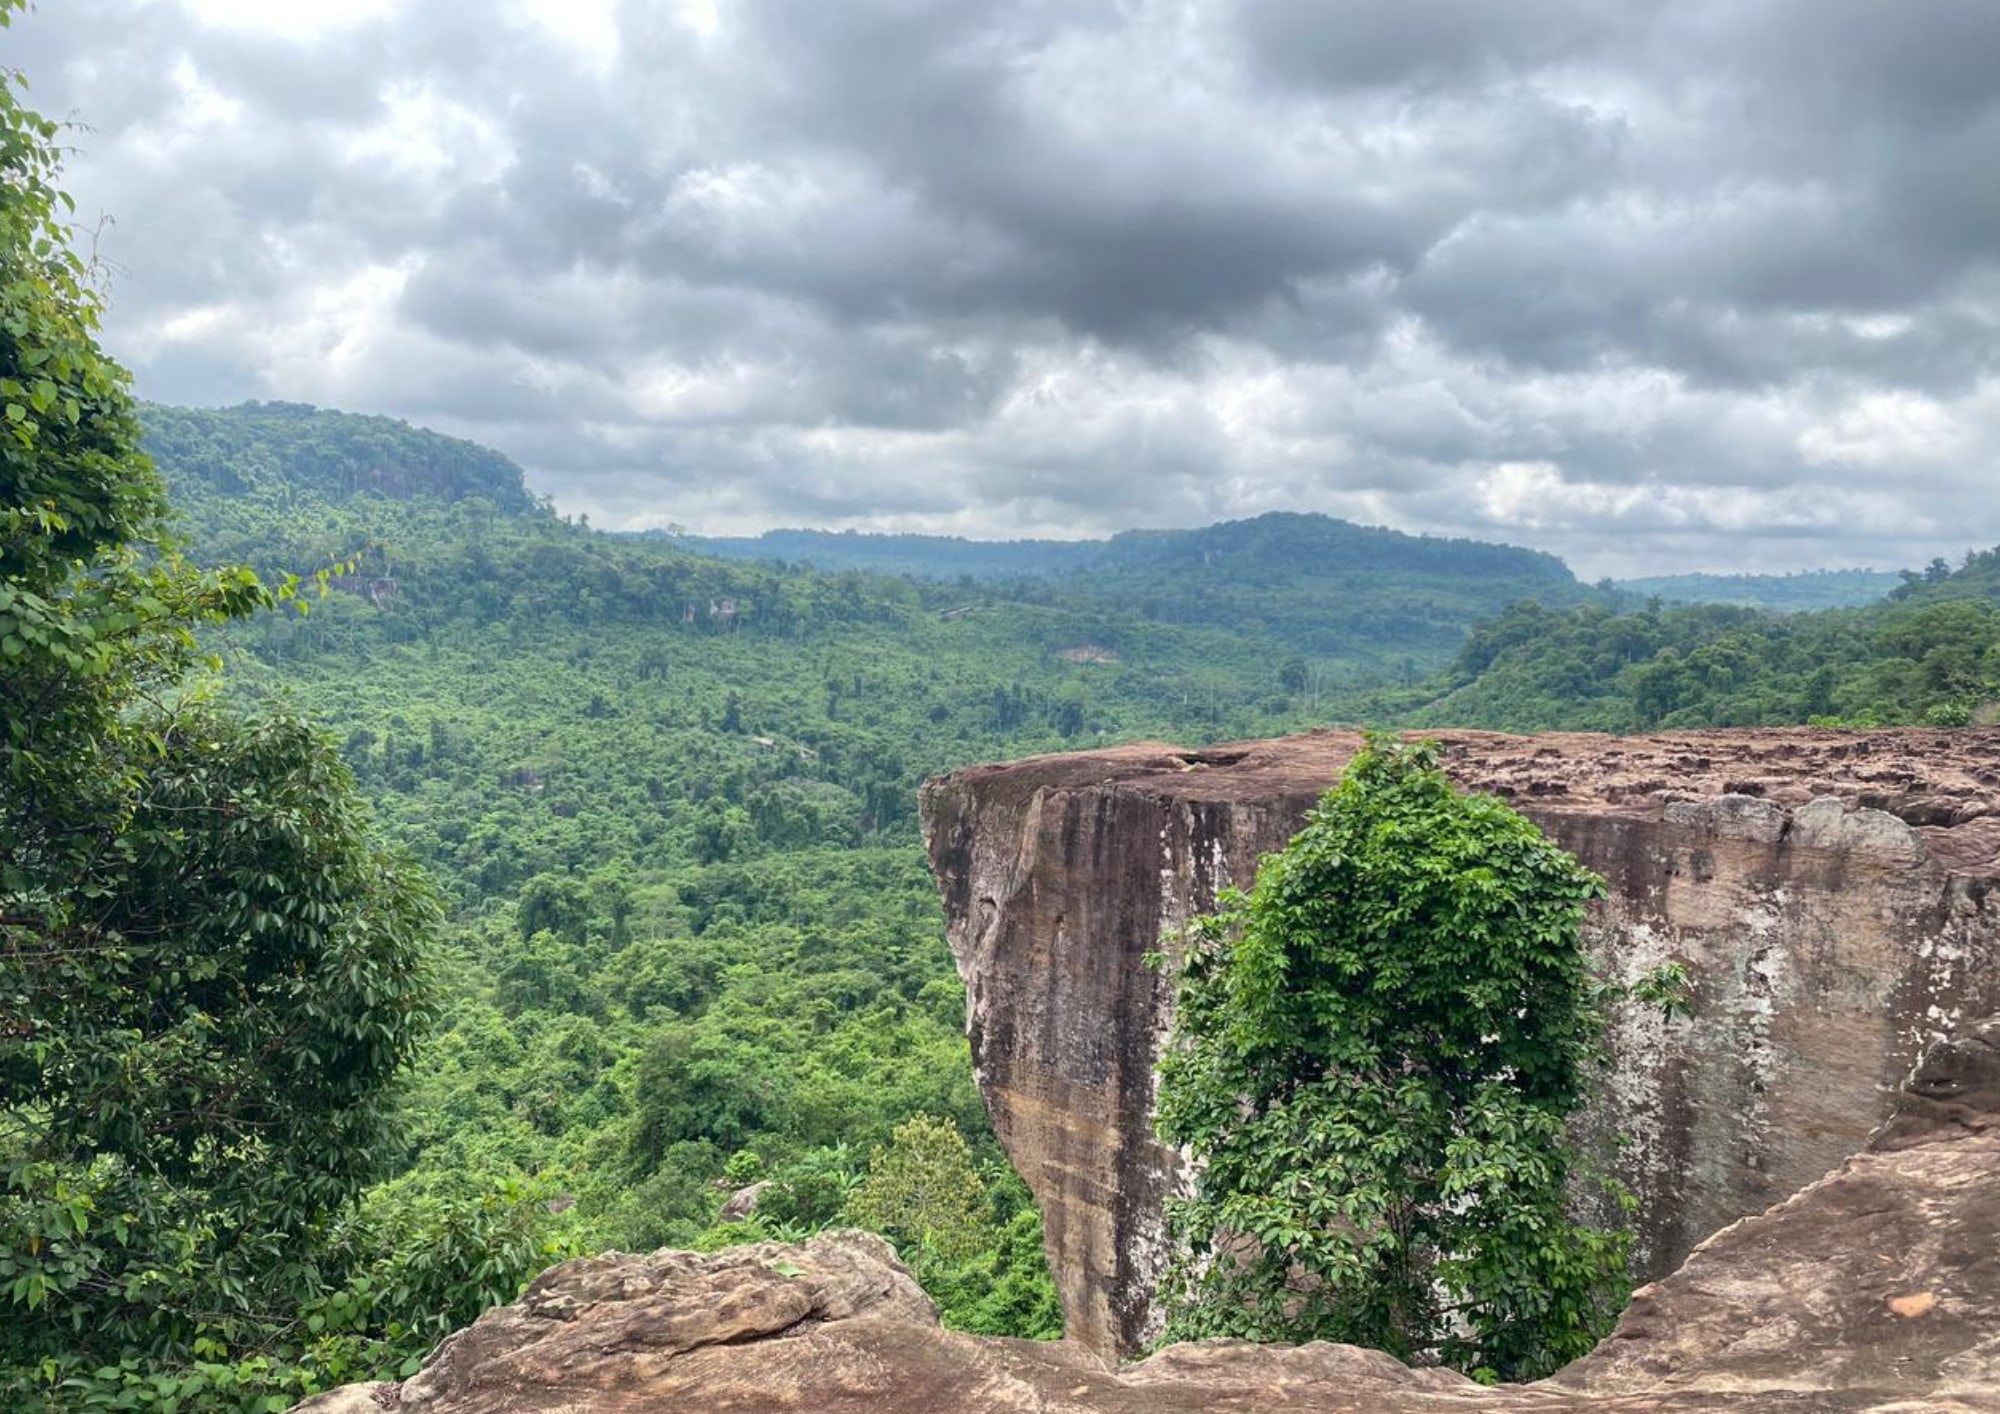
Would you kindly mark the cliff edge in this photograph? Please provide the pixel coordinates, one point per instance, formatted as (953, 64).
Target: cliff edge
(1830, 893)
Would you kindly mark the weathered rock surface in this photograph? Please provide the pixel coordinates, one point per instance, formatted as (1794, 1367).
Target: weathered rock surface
(743, 1202)
(1831, 893)
(1876, 1289)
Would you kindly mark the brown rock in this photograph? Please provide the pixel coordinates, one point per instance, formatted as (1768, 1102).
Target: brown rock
(743, 1202)
(1831, 894)
(590, 1331)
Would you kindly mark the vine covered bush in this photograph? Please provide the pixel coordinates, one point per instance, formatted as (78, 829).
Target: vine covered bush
(1375, 1052)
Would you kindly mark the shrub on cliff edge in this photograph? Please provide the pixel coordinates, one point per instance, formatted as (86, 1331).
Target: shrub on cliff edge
(1375, 1052)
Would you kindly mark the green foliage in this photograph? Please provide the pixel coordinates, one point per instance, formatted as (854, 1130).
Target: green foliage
(1814, 589)
(424, 1254)
(1667, 989)
(974, 1240)
(1930, 654)
(1002, 1288)
(811, 1192)
(210, 972)
(922, 1189)
(1374, 1054)
(203, 1028)
(69, 489)
(412, 1263)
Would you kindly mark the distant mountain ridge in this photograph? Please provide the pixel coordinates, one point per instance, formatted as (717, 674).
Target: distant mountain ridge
(1810, 589)
(290, 451)
(265, 480)
(1321, 586)
(1282, 534)
(938, 557)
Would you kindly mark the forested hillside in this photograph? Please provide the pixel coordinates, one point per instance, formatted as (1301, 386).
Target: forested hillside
(670, 801)
(1930, 653)
(1295, 585)
(1814, 589)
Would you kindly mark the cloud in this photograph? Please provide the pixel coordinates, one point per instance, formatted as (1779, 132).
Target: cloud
(1653, 286)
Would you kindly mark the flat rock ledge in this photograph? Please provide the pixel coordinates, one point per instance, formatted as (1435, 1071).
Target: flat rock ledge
(1875, 1289)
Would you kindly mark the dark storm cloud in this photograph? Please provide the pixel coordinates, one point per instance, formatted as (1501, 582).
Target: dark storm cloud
(1645, 283)
(1399, 46)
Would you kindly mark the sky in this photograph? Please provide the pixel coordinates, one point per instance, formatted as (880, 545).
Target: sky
(1710, 284)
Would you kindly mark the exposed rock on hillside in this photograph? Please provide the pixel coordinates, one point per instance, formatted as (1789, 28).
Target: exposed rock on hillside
(1876, 1289)
(1831, 894)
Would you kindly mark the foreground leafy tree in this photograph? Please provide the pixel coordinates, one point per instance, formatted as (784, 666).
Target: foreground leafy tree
(924, 1190)
(983, 1267)
(209, 973)
(1374, 1055)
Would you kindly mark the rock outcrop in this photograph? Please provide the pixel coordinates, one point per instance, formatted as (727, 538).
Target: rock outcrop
(1876, 1289)
(1832, 895)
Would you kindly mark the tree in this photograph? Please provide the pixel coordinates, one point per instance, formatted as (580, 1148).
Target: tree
(923, 1190)
(209, 972)
(1374, 1054)
(203, 1026)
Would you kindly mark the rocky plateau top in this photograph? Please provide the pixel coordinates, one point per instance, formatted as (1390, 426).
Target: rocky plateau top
(1945, 783)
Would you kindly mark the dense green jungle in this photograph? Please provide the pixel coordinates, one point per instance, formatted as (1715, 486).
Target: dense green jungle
(671, 798)
(667, 796)
(671, 801)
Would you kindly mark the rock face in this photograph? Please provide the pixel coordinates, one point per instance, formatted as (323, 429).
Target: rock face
(1832, 895)
(1876, 1289)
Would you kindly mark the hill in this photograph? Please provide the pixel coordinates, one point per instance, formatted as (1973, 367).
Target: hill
(1928, 653)
(669, 795)
(1813, 589)
(293, 451)
(1308, 584)
(670, 799)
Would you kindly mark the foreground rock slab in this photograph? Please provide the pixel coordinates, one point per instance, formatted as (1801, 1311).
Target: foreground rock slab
(1875, 1289)
(1832, 894)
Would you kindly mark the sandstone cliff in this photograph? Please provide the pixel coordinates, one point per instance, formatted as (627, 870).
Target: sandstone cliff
(1831, 894)
(1876, 1289)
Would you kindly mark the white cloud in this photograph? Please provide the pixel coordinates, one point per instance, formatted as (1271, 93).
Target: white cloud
(429, 142)
(586, 29)
(298, 20)
(1620, 280)
(1887, 431)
